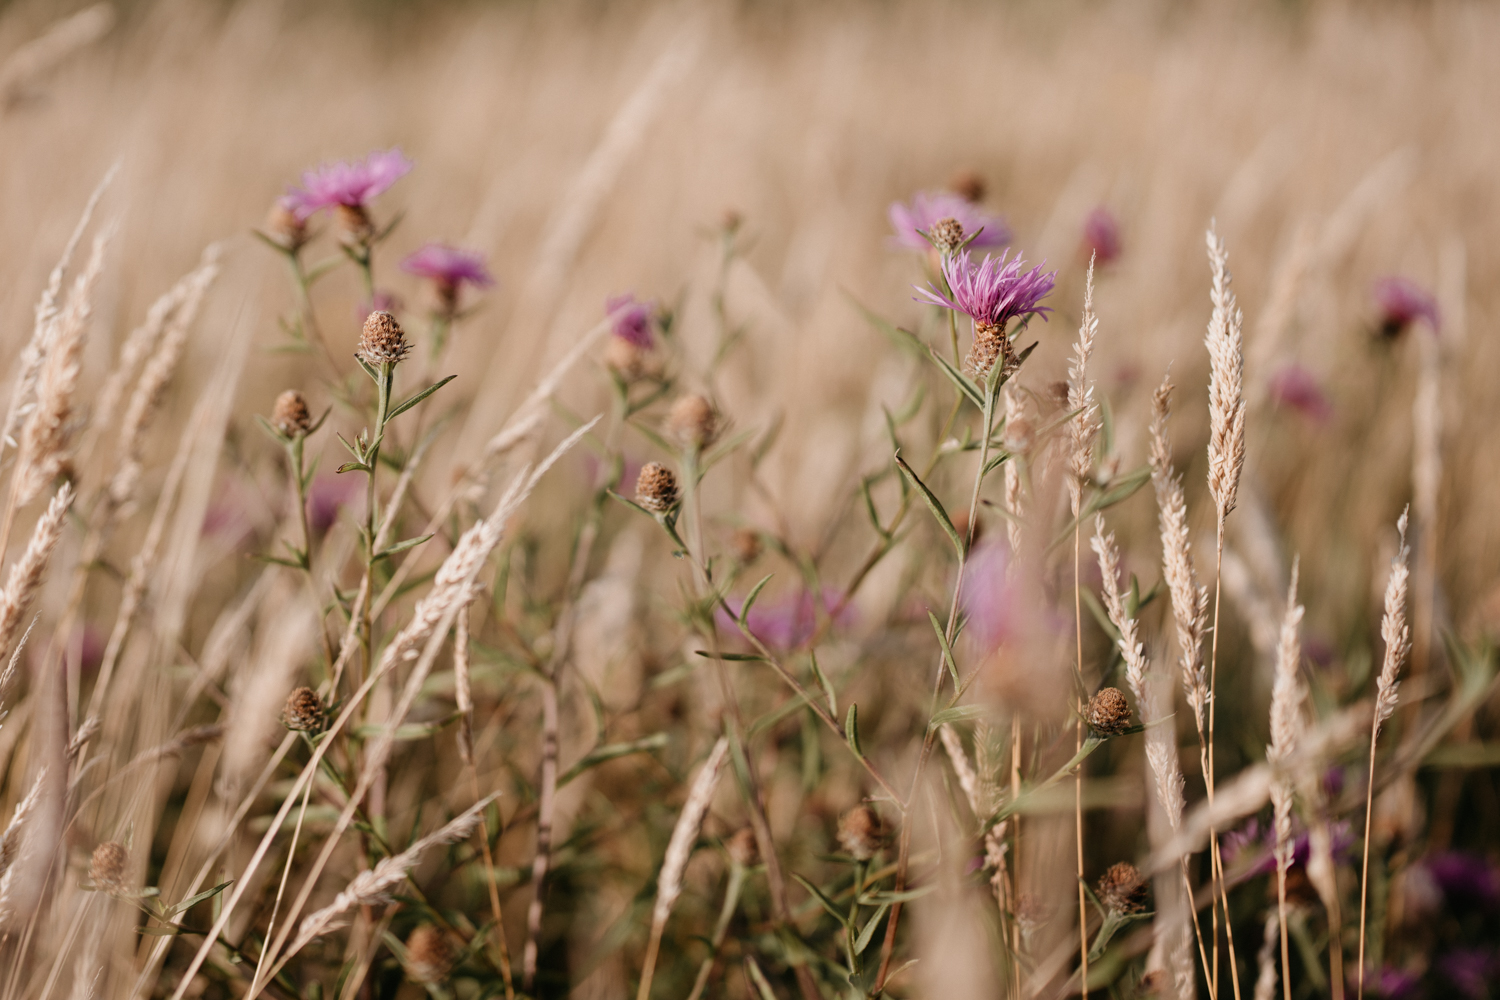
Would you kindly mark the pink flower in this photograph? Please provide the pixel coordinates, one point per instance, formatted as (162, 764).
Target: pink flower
(327, 494)
(631, 319)
(993, 292)
(448, 266)
(929, 207)
(1402, 302)
(381, 301)
(1101, 236)
(990, 602)
(787, 622)
(1294, 386)
(350, 184)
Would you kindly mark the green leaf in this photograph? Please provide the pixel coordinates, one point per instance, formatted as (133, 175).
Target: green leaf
(158, 931)
(933, 504)
(759, 979)
(996, 462)
(399, 547)
(969, 390)
(407, 404)
(873, 898)
(747, 657)
(613, 751)
(947, 650)
(851, 730)
(826, 903)
(632, 504)
(409, 732)
(750, 599)
(868, 934)
(193, 901)
(955, 713)
(833, 704)
(369, 370)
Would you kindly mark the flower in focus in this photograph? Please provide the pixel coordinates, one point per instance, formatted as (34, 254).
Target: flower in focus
(631, 320)
(994, 291)
(348, 185)
(1294, 386)
(927, 208)
(1101, 236)
(1466, 880)
(449, 268)
(1402, 302)
(788, 622)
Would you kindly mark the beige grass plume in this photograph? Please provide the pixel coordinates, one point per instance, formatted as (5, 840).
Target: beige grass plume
(26, 574)
(1189, 599)
(1286, 724)
(1018, 442)
(10, 843)
(1226, 391)
(1084, 426)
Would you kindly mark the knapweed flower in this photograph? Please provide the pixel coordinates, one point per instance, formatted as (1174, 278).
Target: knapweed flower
(1386, 983)
(1295, 387)
(1466, 880)
(291, 416)
(303, 711)
(1108, 712)
(787, 622)
(861, 833)
(991, 293)
(285, 225)
(107, 866)
(348, 187)
(928, 208)
(1471, 970)
(1402, 302)
(630, 320)
(1250, 848)
(382, 340)
(1122, 888)
(449, 268)
(1101, 236)
(990, 601)
(656, 488)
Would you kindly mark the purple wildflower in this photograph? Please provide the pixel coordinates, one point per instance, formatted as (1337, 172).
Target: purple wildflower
(347, 184)
(1402, 302)
(1465, 879)
(1294, 386)
(788, 622)
(631, 319)
(1101, 236)
(1387, 983)
(1471, 970)
(326, 495)
(1251, 849)
(993, 292)
(990, 602)
(927, 208)
(381, 301)
(448, 266)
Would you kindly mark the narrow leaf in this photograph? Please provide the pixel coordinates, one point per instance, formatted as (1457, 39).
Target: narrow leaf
(851, 730)
(407, 404)
(947, 650)
(933, 504)
(971, 393)
(750, 599)
(823, 900)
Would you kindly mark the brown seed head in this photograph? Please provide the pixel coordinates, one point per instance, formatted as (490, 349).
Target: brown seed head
(429, 957)
(382, 340)
(290, 416)
(1123, 888)
(627, 360)
(304, 711)
(860, 832)
(283, 226)
(990, 345)
(743, 849)
(107, 866)
(656, 488)
(1109, 712)
(746, 544)
(693, 421)
(947, 235)
(968, 185)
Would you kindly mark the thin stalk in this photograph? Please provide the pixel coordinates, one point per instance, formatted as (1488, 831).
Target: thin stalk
(1083, 922)
(1364, 871)
(1216, 863)
(721, 928)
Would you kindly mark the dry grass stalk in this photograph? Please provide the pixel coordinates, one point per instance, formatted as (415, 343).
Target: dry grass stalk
(679, 849)
(373, 885)
(1226, 399)
(44, 436)
(8, 677)
(1018, 442)
(26, 573)
(1287, 694)
(10, 843)
(1265, 979)
(1397, 636)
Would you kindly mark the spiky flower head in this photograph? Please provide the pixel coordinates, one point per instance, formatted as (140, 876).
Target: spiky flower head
(382, 340)
(656, 488)
(1108, 712)
(947, 235)
(291, 416)
(347, 184)
(992, 292)
(630, 320)
(107, 866)
(304, 711)
(449, 268)
(927, 208)
(429, 956)
(693, 421)
(861, 833)
(1122, 888)
(1402, 302)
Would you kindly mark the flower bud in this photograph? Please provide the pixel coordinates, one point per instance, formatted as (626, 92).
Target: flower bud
(746, 545)
(1108, 712)
(1123, 888)
(860, 832)
(382, 340)
(304, 711)
(285, 227)
(947, 235)
(656, 488)
(107, 866)
(693, 421)
(429, 957)
(290, 416)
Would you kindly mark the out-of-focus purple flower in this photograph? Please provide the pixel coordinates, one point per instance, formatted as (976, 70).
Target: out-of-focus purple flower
(448, 266)
(1333, 782)
(990, 603)
(381, 301)
(631, 320)
(326, 495)
(787, 622)
(1294, 386)
(1465, 879)
(348, 183)
(1251, 849)
(1472, 970)
(1402, 302)
(1386, 983)
(927, 208)
(1101, 236)
(994, 291)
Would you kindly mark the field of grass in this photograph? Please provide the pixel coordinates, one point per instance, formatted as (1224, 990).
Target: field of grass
(735, 619)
